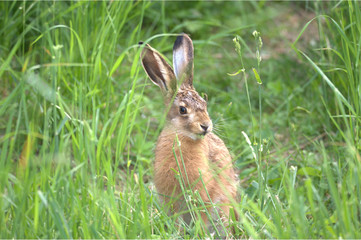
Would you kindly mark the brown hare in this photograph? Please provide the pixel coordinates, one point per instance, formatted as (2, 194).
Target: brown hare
(187, 144)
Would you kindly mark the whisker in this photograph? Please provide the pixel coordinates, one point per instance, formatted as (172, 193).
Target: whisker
(219, 133)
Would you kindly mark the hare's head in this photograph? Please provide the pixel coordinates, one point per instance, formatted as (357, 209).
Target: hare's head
(187, 110)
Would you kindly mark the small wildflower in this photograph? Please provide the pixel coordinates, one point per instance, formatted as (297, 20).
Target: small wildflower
(250, 144)
(57, 47)
(256, 34)
(236, 41)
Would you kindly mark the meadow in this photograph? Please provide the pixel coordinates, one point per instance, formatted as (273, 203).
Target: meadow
(79, 118)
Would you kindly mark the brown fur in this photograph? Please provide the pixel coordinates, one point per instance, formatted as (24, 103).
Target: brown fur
(207, 155)
(188, 137)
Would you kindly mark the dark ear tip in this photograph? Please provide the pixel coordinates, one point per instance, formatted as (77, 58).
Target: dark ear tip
(181, 37)
(178, 42)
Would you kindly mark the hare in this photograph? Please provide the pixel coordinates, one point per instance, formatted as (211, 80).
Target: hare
(187, 146)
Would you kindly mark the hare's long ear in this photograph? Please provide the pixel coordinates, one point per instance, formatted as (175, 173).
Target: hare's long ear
(158, 70)
(183, 60)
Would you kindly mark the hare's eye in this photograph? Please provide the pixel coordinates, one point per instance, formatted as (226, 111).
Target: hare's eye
(182, 110)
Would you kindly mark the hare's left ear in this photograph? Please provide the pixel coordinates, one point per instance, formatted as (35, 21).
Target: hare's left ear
(183, 60)
(159, 71)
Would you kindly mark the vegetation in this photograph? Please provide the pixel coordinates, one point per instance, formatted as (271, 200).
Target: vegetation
(79, 118)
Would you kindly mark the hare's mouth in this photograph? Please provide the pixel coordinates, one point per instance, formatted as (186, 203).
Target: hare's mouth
(199, 136)
(196, 136)
(203, 133)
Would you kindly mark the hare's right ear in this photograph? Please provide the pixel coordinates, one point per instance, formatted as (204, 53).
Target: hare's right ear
(158, 70)
(183, 60)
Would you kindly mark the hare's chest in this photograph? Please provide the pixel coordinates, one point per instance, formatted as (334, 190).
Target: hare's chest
(185, 163)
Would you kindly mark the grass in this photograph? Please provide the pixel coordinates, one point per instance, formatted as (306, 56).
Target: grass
(79, 119)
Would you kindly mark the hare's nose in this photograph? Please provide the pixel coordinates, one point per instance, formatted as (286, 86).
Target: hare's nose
(205, 127)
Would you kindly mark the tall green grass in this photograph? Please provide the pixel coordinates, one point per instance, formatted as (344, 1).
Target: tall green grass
(322, 201)
(68, 118)
(78, 122)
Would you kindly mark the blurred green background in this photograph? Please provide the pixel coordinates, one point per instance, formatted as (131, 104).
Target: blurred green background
(79, 119)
